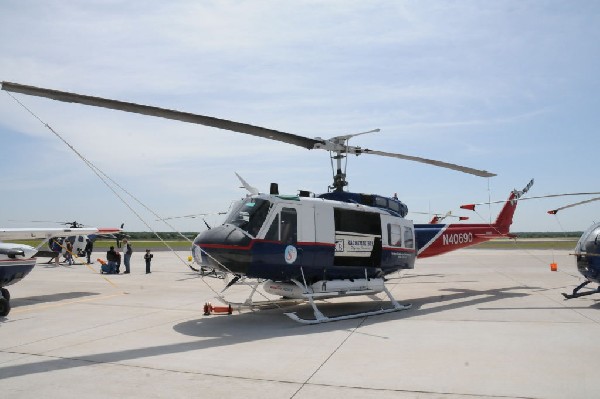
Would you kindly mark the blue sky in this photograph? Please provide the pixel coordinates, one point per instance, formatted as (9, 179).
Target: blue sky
(510, 87)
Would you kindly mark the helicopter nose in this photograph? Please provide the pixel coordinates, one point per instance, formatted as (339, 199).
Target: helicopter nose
(224, 247)
(588, 254)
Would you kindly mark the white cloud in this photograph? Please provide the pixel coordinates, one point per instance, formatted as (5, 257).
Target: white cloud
(495, 87)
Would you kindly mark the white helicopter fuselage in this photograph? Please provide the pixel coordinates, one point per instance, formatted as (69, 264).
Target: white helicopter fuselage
(281, 238)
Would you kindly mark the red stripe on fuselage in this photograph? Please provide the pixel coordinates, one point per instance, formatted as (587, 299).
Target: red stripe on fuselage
(460, 236)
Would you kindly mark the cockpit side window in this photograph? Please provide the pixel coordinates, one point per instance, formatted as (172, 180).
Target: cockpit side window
(289, 226)
(284, 227)
(273, 233)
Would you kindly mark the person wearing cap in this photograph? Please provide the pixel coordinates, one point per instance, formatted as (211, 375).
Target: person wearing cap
(148, 258)
(127, 255)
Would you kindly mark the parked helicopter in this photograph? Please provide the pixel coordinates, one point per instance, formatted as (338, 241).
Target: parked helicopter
(587, 252)
(315, 246)
(79, 241)
(17, 260)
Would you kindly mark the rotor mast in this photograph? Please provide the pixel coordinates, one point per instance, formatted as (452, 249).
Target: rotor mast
(339, 146)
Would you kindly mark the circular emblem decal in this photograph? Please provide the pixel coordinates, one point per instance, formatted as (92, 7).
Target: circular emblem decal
(291, 254)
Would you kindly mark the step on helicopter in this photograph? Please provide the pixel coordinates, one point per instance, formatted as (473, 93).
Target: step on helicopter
(315, 246)
(17, 260)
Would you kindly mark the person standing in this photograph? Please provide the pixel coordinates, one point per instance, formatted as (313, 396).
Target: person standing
(128, 250)
(112, 258)
(148, 258)
(89, 247)
(69, 251)
(55, 248)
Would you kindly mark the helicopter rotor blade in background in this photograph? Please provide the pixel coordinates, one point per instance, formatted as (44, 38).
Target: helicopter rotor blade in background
(336, 144)
(468, 206)
(555, 211)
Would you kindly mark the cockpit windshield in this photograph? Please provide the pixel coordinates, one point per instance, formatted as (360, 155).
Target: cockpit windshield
(589, 235)
(249, 215)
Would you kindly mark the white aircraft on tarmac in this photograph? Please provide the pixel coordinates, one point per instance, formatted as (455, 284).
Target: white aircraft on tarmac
(17, 260)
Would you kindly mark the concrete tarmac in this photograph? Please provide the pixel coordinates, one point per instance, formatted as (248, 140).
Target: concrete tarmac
(484, 324)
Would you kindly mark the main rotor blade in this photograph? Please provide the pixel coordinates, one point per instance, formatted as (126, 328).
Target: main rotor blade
(301, 141)
(465, 169)
(163, 113)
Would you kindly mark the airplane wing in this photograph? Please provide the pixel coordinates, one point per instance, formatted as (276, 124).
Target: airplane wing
(37, 233)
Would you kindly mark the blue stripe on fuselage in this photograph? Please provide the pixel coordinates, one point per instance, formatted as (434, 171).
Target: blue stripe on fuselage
(425, 233)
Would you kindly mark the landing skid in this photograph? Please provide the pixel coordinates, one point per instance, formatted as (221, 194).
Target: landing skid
(577, 294)
(321, 318)
(308, 294)
(251, 304)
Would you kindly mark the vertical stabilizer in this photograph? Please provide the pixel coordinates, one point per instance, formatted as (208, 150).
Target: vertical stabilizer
(505, 217)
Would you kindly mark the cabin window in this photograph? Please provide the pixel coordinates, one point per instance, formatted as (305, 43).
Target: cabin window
(394, 206)
(284, 227)
(382, 202)
(249, 215)
(394, 235)
(357, 222)
(409, 238)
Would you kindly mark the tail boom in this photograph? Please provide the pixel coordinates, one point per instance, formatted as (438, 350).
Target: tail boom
(437, 239)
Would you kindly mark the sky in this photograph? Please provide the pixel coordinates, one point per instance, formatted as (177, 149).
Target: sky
(509, 86)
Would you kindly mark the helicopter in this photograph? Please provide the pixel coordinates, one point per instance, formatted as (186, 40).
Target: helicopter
(587, 250)
(17, 260)
(78, 242)
(309, 246)
(587, 253)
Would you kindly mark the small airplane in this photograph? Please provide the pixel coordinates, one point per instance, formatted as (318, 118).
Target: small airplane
(17, 260)
(315, 246)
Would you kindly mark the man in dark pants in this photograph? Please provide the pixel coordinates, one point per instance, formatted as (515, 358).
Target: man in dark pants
(112, 257)
(89, 247)
(148, 258)
(128, 251)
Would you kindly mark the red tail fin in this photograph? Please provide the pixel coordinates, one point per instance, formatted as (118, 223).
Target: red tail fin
(505, 217)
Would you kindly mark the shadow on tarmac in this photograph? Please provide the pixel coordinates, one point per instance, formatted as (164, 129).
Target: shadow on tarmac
(16, 302)
(223, 331)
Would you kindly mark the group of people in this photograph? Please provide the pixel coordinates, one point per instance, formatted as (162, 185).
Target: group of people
(113, 257)
(113, 260)
(57, 246)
